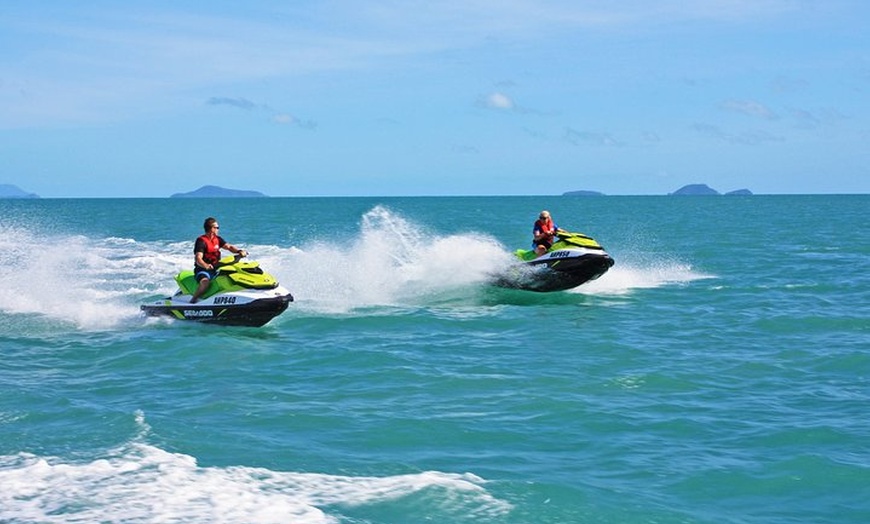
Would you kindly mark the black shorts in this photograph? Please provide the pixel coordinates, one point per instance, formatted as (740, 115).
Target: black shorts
(200, 273)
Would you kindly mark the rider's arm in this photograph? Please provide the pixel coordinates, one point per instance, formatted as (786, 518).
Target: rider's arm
(537, 231)
(200, 262)
(233, 249)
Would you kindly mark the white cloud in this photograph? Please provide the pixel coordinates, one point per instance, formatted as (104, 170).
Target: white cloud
(498, 101)
(284, 119)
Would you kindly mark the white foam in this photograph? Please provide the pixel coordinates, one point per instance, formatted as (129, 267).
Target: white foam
(142, 483)
(92, 284)
(390, 262)
(629, 275)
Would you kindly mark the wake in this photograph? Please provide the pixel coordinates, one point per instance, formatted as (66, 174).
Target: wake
(147, 484)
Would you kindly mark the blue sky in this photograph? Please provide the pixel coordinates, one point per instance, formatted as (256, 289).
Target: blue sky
(406, 97)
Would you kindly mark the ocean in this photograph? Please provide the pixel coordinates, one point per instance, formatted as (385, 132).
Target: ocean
(718, 373)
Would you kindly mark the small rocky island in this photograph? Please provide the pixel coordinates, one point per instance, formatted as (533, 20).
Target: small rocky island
(13, 191)
(704, 189)
(219, 192)
(582, 192)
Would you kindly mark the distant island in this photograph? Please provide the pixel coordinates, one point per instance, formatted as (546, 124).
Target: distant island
(12, 191)
(218, 192)
(691, 189)
(695, 189)
(582, 192)
(704, 189)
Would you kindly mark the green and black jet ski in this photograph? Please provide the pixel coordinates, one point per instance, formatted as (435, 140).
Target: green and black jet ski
(572, 260)
(242, 294)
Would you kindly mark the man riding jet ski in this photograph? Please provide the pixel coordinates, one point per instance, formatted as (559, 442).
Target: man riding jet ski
(241, 294)
(222, 290)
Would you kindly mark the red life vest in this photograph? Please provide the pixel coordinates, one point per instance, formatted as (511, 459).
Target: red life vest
(545, 226)
(212, 253)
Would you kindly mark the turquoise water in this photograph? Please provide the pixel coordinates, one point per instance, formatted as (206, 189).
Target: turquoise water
(719, 373)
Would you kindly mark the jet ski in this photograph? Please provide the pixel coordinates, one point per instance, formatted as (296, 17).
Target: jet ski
(241, 294)
(572, 260)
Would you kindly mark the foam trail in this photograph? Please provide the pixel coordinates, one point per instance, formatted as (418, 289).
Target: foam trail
(392, 262)
(93, 284)
(139, 482)
(630, 274)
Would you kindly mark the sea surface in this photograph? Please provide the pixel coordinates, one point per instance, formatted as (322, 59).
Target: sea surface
(719, 373)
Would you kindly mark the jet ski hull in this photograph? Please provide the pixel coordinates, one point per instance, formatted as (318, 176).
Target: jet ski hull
(545, 277)
(227, 309)
(573, 260)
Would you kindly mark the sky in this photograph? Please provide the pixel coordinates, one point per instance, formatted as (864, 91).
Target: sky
(412, 97)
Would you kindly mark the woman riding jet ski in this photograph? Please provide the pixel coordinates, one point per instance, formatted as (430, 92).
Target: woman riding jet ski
(571, 260)
(241, 294)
